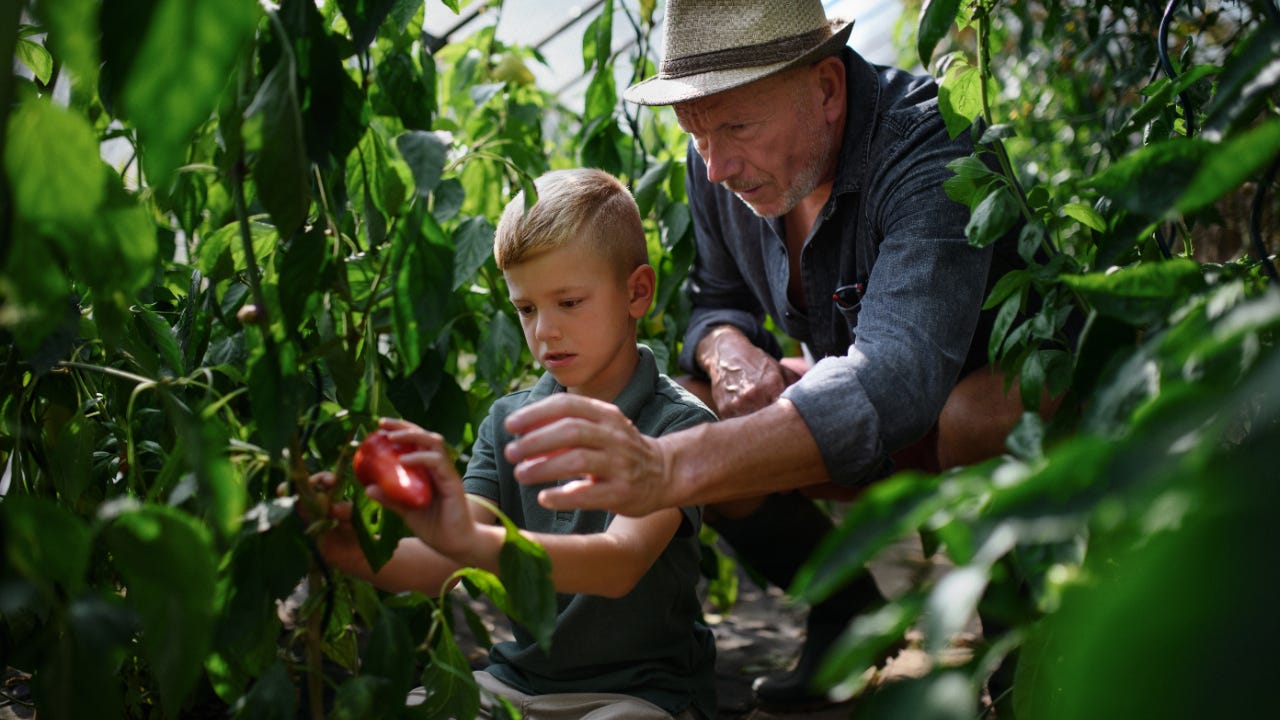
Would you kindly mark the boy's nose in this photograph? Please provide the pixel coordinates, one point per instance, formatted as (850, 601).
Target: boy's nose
(546, 329)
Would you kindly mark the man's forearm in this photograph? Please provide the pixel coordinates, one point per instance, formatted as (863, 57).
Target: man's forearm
(768, 451)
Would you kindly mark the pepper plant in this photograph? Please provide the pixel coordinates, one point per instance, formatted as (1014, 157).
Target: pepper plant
(234, 235)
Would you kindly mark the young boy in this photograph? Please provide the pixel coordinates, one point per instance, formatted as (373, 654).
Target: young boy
(629, 641)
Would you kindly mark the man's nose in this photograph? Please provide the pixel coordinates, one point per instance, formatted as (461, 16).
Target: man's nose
(722, 164)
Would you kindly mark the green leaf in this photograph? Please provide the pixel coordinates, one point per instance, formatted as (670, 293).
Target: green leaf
(73, 34)
(273, 697)
(1009, 283)
(1249, 79)
(389, 655)
(960, 97)
(1162, 93)
(525, 570)
(264, 566)
(422, 282)
(936, 19)
(601, 97)
(56, 176)
(45, 543)
(1026, 440)
(1150, 181)
(883, 514)
(425, 154)
(451, 689)
(36, 58)
(993, 217)
(1000, 328)
(305, 271)
(273, 135)
(404, 87)
(79, 677)
(364, 17)
(273, 394)
(474, 242)
(861, 645)
(186, 57)
(1228, 166)
(1140, 294)
(71, 458)
(166, 561)
(650, 183)
(941, 695)
(161, 336)
(1085, 215)
(205, 443)
(500, 349)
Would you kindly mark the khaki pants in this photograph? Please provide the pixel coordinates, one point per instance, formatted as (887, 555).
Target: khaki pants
(564, 706)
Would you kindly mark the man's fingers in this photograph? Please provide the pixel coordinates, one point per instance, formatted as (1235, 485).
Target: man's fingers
(584, 493)
(556, 407)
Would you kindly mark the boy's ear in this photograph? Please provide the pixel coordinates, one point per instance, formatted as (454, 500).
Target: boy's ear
(640, 286)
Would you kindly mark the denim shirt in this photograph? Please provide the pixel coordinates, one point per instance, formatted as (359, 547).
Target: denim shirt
(887, 358)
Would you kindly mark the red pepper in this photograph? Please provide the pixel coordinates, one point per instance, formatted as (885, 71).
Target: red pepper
(377, 460)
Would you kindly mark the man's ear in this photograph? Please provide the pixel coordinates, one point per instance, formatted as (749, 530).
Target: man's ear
(640, 286)
(830, 76)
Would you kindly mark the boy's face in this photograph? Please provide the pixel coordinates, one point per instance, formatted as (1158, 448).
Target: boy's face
(579, 317)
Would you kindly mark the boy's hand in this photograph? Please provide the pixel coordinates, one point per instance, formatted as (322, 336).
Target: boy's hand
(446, 524)
(338, 544)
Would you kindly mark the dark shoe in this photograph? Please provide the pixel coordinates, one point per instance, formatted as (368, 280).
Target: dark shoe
(774, 542)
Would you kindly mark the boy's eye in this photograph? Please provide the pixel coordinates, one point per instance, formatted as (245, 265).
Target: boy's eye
(524, 309)
(570, 303)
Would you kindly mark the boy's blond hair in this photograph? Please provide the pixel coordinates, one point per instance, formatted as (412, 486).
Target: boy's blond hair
(580, 204)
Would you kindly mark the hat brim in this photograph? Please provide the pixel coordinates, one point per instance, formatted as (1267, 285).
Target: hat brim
(658, 90)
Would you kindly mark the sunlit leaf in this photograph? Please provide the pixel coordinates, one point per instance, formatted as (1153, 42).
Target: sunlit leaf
(1085, 214)
(1226, 167)
(960, 97)
(36, 58)
(181, 68)
(51, 159)
(73, 34)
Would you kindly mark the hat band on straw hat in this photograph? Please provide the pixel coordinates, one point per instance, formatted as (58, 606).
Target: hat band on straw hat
(766, 53)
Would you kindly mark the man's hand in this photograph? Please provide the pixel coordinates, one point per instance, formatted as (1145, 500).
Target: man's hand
(615, 466)
(744, 378)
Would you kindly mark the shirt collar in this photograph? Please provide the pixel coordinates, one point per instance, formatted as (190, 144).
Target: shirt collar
(634, 396)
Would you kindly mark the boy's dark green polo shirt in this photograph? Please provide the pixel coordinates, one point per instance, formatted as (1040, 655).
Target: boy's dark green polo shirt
(652, 643)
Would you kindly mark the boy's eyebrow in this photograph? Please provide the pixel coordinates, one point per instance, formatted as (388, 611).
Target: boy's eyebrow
(559, 291)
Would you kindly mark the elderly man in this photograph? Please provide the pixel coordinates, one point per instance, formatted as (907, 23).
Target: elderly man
(815, 184)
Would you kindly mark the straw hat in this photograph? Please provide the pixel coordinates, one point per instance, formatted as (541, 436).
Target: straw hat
(715, 45)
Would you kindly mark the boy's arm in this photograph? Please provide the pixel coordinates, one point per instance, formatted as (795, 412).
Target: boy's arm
(414, 566)
(608, 563)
